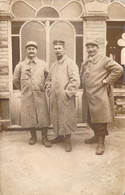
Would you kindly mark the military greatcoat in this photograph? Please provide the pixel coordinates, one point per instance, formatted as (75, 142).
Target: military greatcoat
(29, 76)
(98, 97)
(62, 83)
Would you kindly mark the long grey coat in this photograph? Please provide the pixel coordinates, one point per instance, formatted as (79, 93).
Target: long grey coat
(97, 96)
(30, 78)
(62, 83)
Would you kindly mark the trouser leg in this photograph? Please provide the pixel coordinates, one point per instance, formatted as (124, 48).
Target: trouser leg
(101, 131)
(93, 139)
(68, 146)
(33, 138)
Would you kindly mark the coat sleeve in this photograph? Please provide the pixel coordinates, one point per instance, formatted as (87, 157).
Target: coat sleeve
(115, 70)
(17, 76)
(74, 79)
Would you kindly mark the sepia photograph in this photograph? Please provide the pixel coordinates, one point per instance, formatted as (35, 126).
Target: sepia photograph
(62, 97)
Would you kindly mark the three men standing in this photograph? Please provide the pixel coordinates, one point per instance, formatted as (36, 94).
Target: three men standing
(29, 77)
(98, 73)
(61, 85)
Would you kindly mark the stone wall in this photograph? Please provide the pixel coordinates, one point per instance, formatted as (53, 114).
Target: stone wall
(4, 69)
(4, 76)
(96, 29)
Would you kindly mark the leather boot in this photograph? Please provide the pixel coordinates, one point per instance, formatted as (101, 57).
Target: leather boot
(58, 139)
(92, 140)
(100, 147)
(68, 146)
(33, 138)
(45, 140)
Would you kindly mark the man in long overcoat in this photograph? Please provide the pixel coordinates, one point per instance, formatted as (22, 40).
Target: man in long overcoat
(29, 77)
(62, 83)
(98, 73)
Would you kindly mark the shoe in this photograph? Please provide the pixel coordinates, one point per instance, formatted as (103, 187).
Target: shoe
(100, 150)
(68, 146)
(32, 141)
(58, 139)
(46, 142)
(100, 147)
(33, 138)
(91, 140)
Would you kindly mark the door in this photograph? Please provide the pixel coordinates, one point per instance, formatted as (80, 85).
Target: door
(44, 34)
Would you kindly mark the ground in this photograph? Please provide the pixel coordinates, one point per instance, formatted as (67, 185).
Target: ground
(36, 170)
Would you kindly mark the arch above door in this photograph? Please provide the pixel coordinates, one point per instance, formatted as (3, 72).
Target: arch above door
(47, 9)
(63, 31)
(34, 31)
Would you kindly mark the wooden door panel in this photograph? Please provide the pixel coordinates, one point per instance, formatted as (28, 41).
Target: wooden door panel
(79, 106)
(16, 108)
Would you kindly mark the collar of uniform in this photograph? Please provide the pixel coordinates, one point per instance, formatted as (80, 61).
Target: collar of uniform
(35, 59)
(62, 59)
(94, 59)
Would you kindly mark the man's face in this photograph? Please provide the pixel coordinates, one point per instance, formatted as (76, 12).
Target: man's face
(92, 50)
(31, 51)
(59, 50)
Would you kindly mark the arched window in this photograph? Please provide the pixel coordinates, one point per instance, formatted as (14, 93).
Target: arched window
(47, 12)
(116, 10)
(47, 8)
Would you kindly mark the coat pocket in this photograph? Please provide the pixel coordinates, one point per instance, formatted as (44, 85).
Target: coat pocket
(65, 96)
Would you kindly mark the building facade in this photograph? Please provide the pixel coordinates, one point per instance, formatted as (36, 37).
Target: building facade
(43, 21)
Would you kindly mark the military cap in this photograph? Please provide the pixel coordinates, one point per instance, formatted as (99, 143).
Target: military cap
(58, 42)
(92, 42)
(31, 43)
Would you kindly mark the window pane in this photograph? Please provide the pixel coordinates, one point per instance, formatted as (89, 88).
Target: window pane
(60, 3)
(21, 9)
(72, 10)
(47, 2)
(35, 4)
(113, 50)
(15, 52)
(16, 27)
(47, 12)
(79, 27)
(79, 51)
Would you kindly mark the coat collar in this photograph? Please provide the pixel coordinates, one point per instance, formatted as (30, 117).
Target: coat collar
(35, 60)
(62, 59)
(94, 59)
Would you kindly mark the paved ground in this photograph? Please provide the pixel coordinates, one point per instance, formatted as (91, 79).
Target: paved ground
(36, 170)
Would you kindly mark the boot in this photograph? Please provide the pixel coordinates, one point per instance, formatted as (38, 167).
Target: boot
(33, 138)
(58, 139)
(100, 147)
(45, 140)
(92, 140)
(68, 147)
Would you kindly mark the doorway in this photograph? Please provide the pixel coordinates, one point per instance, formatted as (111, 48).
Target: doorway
(44, 33)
